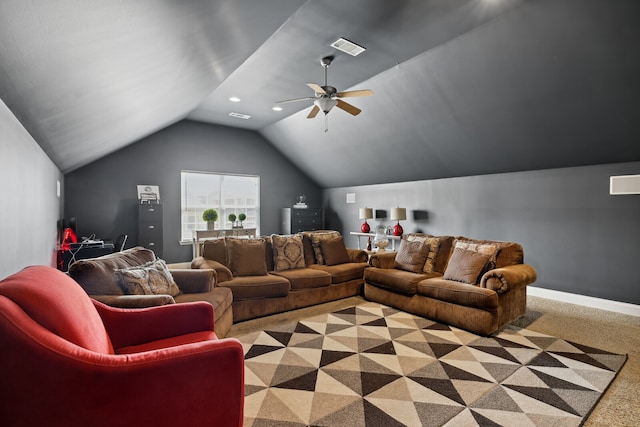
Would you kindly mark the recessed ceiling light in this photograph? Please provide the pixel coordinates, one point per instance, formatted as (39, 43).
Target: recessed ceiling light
(347, 46)
(276, 108)
(234, 99)
(240, 116)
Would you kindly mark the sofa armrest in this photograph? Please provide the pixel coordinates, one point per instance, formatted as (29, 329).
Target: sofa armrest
(357, 255)
(134, 301)
(509, 277)
(383, 260)
(222, 271)
(195, 281)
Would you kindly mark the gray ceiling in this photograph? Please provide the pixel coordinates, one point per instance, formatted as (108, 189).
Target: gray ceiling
(462, 87)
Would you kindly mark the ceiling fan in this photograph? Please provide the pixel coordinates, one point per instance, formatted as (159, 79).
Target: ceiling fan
(326, 97)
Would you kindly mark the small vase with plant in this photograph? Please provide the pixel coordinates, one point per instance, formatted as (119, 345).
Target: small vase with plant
(232, 218)
(241, 217)
(210, 216)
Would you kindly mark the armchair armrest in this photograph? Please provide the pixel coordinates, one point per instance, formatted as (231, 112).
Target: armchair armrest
(383, 260)
(509, 277)
(194, 281)
(134, 301)
(128, 327)
(357, 255)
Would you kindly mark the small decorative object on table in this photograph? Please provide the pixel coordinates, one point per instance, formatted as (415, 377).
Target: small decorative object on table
(301, 202)
(241, 217)
(210, 216)
(381, 240)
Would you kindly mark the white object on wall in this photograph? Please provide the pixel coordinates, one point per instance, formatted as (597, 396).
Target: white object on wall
(624, 184)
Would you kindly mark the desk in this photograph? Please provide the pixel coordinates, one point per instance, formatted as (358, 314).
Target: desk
(201, 235)
(68, 257)
(373, 235)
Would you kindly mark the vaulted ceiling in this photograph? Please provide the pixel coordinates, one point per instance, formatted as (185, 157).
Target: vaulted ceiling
(462, 87)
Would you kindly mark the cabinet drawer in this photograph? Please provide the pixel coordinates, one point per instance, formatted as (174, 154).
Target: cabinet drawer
(150, 213)
(306, 213)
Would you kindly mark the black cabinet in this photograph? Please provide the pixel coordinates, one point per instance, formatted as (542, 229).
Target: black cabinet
(296, 220)
(150, 227)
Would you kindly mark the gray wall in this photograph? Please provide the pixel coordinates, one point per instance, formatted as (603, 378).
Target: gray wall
(30, 203)
(103, 196)
(579, 238)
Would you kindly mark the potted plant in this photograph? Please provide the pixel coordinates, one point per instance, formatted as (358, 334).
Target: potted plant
(232, 217)
(210, 216)
(241, 217)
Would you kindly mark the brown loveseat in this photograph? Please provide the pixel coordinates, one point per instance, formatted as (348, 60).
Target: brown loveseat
(134, 278)
(273, 274)
(476, 285)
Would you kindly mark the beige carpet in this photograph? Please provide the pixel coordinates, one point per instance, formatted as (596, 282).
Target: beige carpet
(478, 380)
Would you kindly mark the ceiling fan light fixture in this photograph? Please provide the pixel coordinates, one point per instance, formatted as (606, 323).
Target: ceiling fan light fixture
(347, 46)
(325, 104)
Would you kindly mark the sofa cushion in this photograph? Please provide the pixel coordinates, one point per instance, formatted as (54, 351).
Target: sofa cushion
(305, 278)
(458, 293)
(393, 279)
(288, 252)
(334, 251)
(96, 276)
(412, 255)
(341, 273)
(152, 278)
(246, 257)
(215, 250)
(466, 265)
(510, 253)
(255, 287)
(314, 239)
(434, 246)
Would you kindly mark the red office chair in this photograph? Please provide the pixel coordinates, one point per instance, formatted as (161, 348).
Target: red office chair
(68, 360)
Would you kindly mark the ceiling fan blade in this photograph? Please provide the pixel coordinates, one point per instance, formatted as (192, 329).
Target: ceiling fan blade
(314, 112)
(363, 92)
(348, 108)
(296, 100)
(316, 88)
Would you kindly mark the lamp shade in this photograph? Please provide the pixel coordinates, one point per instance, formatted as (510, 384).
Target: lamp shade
(366, 213)
(398, 214)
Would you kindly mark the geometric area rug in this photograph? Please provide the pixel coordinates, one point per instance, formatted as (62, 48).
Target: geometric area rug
(372, 365)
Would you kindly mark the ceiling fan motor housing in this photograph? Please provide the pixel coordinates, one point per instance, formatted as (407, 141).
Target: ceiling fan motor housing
(325, 103)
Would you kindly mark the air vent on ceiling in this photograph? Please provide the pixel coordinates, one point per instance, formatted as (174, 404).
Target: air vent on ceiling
(240, 116)
(348, 47)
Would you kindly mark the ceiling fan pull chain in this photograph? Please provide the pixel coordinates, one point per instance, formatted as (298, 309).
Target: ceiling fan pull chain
(326, 122)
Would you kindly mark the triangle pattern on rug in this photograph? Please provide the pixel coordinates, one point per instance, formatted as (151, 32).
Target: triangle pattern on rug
(372, 365)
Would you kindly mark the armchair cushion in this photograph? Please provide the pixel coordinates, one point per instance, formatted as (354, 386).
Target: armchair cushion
(152, 278)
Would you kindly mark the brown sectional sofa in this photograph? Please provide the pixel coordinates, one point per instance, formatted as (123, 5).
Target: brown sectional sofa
(493, 296)
(273, 274)
(100, 279)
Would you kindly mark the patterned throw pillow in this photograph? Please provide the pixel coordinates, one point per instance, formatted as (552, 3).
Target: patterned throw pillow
(411, 255)
(288, 252)
(152, 278)
(490, 249)
(247, 257)
(465, 266)
(434, 245)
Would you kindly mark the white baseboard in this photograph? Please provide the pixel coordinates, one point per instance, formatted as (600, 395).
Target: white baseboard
(602, 304)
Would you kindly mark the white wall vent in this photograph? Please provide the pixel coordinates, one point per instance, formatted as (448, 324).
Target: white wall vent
(624, 184)
(348, 47)
(240, 116)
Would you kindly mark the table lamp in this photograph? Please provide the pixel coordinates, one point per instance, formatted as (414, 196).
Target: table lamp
(398, 214)
(365, 213)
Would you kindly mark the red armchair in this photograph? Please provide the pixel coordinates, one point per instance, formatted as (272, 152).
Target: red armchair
(68, 360)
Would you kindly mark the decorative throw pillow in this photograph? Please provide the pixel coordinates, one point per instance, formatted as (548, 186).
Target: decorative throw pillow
(215, 250)
(411, 255)
(465, 266)
(246, 257)
(334, 251)
(490, 249)
(152, 278)
(434, 245)
(316, 238)
(288, 252)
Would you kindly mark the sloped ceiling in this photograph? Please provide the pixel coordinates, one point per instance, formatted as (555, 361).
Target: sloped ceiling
(462, 87)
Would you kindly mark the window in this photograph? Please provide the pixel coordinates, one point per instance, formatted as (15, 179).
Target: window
(223, 192)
